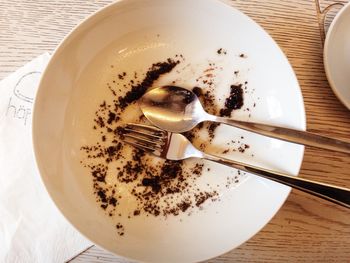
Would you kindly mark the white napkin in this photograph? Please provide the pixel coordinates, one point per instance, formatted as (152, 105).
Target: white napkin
(31, 227)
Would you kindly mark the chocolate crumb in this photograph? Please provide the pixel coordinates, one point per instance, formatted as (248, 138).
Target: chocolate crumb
(243, 148)
(113, 201)
(137, 212)
(152, 182)
(111, 117)
(221, 51)
(153, 74)
(234, 101)
(204, 196)
(120, 229)
(197, 169)
(184, 205)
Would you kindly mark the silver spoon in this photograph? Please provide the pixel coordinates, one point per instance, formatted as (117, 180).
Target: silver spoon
(176, 109)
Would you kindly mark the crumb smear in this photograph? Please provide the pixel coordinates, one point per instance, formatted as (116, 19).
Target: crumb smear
(159, 187)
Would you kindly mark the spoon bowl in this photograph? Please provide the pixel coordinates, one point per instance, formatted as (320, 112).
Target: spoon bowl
(172, 108)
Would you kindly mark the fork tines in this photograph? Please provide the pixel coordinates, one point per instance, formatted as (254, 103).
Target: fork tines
(145, 137)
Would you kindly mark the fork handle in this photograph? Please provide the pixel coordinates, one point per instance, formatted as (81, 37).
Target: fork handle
(335, 194)
(290, 135)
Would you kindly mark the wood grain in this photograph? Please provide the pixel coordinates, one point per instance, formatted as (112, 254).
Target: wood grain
(306, 229)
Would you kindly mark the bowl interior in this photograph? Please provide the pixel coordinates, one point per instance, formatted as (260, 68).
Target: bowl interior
(131, 35)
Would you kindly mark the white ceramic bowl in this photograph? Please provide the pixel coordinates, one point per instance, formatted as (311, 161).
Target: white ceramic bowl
(133, 34)
(337, 55)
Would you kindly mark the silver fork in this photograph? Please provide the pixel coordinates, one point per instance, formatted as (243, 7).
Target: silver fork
(174, 146)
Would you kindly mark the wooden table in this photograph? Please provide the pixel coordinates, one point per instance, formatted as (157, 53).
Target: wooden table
(306, 229)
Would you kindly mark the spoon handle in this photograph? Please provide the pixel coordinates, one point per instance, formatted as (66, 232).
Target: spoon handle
(290, 135)
(335, 194)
